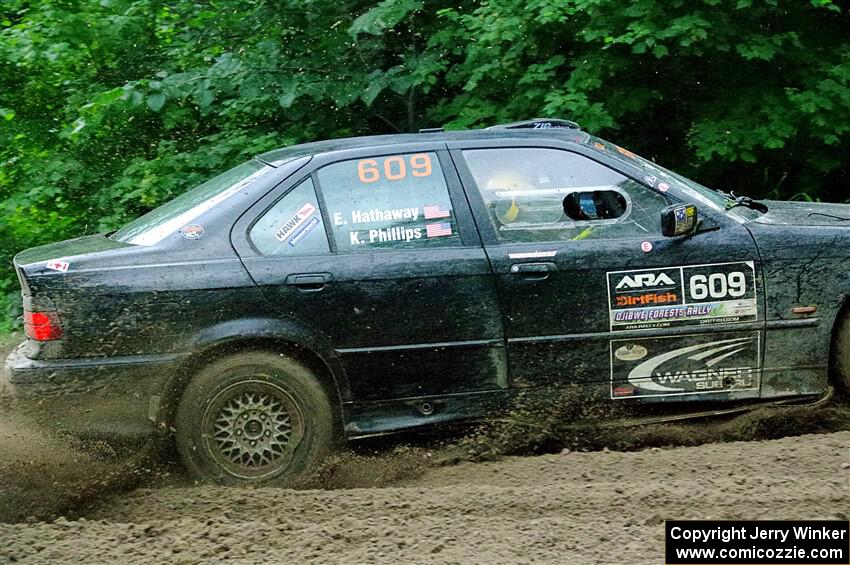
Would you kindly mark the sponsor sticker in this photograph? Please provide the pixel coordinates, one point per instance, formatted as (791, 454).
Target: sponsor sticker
(692, 364)
(622, 391)
(685, 218)
(286, 230)
(663, 186)
(192, 231)
(532, 255)
(681, 296)
(650, 180)
(631, 352)
(303, 231)
(57, 265)
(625, 152)
(549, 125)
(646, 246)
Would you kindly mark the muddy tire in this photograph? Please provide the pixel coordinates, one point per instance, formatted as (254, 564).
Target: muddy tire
(252, 418)
(841, 354)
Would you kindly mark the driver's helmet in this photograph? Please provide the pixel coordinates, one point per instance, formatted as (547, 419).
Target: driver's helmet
(532, 208)
(506, 208)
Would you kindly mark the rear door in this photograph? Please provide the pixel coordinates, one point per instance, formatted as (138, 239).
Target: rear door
(376, 251)
(593, 294)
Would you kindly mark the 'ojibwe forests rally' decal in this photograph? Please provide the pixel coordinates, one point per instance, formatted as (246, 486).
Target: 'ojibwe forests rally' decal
(681, 296)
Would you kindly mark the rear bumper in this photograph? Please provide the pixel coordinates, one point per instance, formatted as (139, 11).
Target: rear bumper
(106, 397)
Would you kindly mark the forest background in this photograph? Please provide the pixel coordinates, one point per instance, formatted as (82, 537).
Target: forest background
(109, 108)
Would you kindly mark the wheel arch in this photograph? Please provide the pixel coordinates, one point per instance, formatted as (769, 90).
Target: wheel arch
(270, 335)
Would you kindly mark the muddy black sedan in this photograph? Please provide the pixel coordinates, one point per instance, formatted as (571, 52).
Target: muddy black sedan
(363, 286)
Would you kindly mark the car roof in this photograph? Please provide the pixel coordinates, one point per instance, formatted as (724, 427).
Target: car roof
(512, 131)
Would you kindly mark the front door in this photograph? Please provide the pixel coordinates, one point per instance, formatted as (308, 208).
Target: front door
(591, 291)
(377, 252)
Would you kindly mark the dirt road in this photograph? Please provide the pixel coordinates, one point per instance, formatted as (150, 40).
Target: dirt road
(596, 507)
(412, 504)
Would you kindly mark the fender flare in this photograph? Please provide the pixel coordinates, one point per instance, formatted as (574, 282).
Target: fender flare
(276, 334)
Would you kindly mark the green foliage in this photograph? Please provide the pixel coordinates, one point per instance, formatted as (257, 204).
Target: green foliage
(109, 108)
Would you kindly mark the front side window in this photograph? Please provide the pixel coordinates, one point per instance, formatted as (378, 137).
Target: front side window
(293, 226)
(389, 202)
(538, 194)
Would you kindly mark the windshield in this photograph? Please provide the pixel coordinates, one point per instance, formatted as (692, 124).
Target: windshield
(658, 174)
(154, 226)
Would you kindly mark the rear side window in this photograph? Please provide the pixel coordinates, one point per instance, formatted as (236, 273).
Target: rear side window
(293, 226)
(389, 202)
(154, 226)
(539, 194)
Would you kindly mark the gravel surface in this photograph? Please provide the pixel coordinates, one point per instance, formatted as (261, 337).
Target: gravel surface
(597, 507)
(62, 502)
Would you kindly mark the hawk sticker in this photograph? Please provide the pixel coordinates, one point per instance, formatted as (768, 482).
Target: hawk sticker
(285, 231)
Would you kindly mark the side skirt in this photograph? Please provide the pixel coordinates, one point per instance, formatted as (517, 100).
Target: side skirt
(392, 416)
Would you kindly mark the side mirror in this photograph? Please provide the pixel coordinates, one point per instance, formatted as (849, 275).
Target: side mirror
(679, 220)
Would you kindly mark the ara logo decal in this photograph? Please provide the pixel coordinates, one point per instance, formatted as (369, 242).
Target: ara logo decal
(695, 367)
(645, 280)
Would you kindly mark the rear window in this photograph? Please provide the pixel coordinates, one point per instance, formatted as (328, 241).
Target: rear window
(154, 226)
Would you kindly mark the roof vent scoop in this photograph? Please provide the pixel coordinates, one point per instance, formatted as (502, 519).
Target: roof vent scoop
(539, 123)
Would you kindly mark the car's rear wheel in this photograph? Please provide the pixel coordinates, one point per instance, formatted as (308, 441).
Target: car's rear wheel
(253, 417)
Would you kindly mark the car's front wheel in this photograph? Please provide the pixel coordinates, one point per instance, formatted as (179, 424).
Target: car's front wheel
(253, 417)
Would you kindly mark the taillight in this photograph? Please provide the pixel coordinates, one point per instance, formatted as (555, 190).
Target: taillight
(42, 326)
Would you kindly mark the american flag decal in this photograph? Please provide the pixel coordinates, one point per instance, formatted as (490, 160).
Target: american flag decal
(438, 230)
(433, 211)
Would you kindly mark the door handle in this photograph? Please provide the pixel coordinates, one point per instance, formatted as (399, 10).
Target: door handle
(311, 282)
(533, 271)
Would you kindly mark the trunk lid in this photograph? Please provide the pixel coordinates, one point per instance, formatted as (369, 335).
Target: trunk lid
(54, 259)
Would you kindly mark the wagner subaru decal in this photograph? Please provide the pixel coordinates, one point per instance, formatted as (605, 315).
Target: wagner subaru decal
(694, 364)
(680, 296)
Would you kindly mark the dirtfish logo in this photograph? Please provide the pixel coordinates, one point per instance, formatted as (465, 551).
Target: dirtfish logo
(646, 280)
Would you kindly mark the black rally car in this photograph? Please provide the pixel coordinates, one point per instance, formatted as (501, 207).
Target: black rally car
(369, 285)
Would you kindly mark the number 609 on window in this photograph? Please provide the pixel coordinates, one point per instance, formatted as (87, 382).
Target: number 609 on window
(394, 168)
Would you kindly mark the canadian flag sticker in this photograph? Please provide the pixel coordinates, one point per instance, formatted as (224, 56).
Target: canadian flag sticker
(57, 265)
